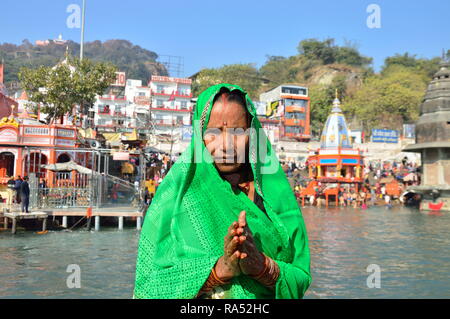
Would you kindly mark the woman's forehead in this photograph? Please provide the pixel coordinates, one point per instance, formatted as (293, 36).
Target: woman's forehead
(232, 113)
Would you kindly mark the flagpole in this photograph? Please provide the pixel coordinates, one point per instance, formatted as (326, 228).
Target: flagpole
(82, 31)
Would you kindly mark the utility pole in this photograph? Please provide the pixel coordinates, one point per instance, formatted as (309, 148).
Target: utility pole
(82, 30)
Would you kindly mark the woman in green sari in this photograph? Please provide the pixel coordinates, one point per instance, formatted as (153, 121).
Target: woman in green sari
(224, 222)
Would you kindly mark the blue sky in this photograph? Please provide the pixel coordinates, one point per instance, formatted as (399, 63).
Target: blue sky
(214, 33)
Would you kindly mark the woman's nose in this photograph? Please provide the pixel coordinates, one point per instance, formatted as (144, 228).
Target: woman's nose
(227, 140)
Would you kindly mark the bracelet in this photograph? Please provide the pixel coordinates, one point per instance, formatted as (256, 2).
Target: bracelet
(269, 275)
(217, 279)
(212, 281)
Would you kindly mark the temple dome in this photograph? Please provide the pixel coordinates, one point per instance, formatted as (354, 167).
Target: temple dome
(335, 134)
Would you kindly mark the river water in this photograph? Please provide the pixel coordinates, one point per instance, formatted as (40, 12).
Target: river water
(410, 248)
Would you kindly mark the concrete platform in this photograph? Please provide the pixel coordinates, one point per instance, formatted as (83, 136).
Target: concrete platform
(17, 216)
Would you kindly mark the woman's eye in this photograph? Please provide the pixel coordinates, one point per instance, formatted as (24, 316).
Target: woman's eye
(239, 132)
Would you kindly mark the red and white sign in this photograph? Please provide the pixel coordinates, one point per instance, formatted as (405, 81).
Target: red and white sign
(121, 79)
(157, 78)
(142, 100)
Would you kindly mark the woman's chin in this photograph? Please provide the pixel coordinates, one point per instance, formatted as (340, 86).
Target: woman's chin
(226, 168)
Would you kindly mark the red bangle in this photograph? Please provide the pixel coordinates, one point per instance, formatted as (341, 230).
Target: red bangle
(269, 275)
(264, 270)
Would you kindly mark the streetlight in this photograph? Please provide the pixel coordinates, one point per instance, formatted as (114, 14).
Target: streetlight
(82, 30)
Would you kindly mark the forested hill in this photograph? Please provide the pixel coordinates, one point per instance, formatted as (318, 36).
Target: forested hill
(137, 62)
(323, 66)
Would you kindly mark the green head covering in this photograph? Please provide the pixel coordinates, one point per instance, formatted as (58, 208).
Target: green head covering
(183, 233)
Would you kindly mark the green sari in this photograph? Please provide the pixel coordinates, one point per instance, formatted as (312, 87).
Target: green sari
(183, 233)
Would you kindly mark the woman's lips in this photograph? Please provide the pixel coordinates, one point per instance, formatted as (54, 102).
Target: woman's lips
(225, 159)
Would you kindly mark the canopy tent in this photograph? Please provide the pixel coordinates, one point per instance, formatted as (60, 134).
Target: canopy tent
(411, 177)
(68, 166)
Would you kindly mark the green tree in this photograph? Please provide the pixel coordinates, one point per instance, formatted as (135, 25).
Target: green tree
(327, 52)
(318, 50)
(57, 90)
(244, 75)
(426, 66)
(322, 97)
(279, 70)
(351, 56)
(388, 100)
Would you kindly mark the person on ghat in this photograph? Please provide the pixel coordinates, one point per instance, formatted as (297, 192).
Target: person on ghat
(224, 223)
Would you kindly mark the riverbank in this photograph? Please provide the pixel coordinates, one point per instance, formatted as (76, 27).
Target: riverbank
(410, 247)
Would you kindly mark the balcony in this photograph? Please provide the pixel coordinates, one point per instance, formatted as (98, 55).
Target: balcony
(104, 111)
(170, 92)
(294, 122)
(168, 122)
(295, 108)
(110, 97)
(170, 108)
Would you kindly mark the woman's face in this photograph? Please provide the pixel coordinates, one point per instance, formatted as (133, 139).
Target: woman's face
(226, 136)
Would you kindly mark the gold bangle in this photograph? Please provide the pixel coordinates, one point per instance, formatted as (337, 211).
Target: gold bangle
(221, 282)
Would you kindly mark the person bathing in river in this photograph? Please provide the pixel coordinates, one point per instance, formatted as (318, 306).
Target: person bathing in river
(227, 225)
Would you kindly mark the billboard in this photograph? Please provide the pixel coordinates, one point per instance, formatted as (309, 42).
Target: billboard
(120, 79)
(272, 108)
(384, 136)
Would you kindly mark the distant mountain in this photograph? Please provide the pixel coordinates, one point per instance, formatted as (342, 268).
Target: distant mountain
(137, 62)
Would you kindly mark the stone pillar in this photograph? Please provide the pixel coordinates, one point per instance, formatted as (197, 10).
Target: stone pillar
(138, 223)
(121, 223)
(97, 223)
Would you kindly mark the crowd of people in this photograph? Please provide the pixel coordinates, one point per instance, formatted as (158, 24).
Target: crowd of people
(385, 183)
(380, 177)
(18, 192)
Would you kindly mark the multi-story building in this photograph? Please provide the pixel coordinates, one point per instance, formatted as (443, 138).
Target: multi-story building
(163, 108)
(287, 112)
(171, 107)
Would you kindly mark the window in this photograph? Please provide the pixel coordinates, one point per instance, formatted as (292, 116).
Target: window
(293, 90)
(141, 94)
(183, 105)
(295, 115)
(293, 129)
(159, 103)
(293, 102)
(179, 119)
(160, 89)
(103, 109)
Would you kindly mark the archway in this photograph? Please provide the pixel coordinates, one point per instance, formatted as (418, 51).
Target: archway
(7, 161)
(34, 164)
(63, 158)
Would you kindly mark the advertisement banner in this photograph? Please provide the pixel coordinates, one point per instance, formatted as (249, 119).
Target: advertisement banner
(384, 136)
(121, 79)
